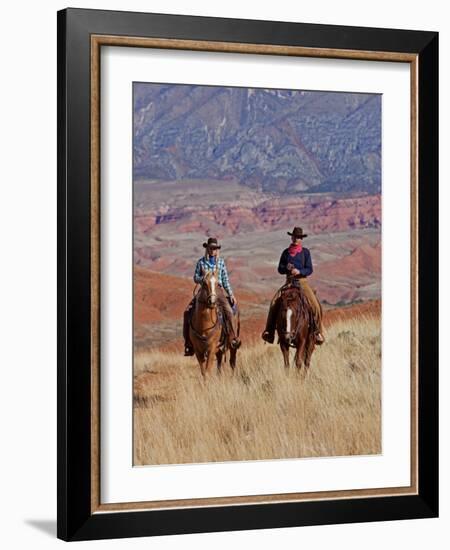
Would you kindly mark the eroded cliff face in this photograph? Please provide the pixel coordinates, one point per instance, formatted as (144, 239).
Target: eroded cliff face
(173, 219)
(316, 214)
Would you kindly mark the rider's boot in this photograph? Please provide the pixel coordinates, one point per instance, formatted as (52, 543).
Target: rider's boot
(319, 338)
(235, 343)
(268, 336)
(188, 349)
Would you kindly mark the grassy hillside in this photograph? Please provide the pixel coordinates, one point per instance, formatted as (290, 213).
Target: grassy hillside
(262, 411)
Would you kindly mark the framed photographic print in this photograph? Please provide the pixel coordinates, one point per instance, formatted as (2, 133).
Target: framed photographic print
(247, 270)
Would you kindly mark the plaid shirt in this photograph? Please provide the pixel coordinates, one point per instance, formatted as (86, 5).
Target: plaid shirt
(222, 272)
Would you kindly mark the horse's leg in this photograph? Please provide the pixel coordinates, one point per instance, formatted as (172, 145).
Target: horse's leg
(308, 354)
(210, 357)
(219, 357)
(285, 351)
(298, 358)
(233, 355)
(300, 352)
(201, 361)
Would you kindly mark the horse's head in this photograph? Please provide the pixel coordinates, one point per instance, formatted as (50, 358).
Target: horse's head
(209, 287)
(289, 314)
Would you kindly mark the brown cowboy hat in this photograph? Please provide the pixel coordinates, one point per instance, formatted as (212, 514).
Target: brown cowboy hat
(212, 243)
(298, 233)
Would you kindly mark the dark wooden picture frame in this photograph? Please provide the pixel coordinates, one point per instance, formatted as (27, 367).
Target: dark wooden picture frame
(81, 34)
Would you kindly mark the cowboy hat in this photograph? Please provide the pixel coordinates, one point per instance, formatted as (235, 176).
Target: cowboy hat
(212, 243)
(298, 233)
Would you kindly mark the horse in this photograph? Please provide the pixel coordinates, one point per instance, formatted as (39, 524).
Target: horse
(207, 330)
(295, 326)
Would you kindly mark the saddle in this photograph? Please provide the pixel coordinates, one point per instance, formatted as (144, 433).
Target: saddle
(292, 283)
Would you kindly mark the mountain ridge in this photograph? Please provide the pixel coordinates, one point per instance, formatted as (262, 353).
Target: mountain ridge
(288, 141)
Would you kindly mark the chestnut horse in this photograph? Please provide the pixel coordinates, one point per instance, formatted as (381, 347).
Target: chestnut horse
(206, 330)
(295, 326)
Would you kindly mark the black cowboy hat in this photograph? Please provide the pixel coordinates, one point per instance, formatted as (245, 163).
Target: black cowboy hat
(298, 233)
(212, 243)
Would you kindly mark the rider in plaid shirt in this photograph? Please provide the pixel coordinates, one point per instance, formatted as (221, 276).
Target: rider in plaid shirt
(207, 263)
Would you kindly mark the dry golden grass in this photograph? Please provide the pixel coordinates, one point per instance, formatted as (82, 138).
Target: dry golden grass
(262, 411)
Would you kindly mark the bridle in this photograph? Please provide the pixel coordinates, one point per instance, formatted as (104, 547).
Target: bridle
(211, 303)
(211, 298)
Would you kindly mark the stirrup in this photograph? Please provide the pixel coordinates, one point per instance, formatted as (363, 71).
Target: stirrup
(188, 351)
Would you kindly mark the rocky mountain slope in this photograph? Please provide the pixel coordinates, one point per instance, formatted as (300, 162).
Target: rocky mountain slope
(272, 140)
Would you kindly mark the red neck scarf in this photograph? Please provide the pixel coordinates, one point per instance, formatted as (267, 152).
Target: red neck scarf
(294, 249)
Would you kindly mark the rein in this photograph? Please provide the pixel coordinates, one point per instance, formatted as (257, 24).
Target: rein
(202, 337)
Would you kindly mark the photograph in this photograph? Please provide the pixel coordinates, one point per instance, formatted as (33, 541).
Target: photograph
(257, 308)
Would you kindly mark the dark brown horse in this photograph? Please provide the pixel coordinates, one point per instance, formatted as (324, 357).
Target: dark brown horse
(295, 326)
(207, 331)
